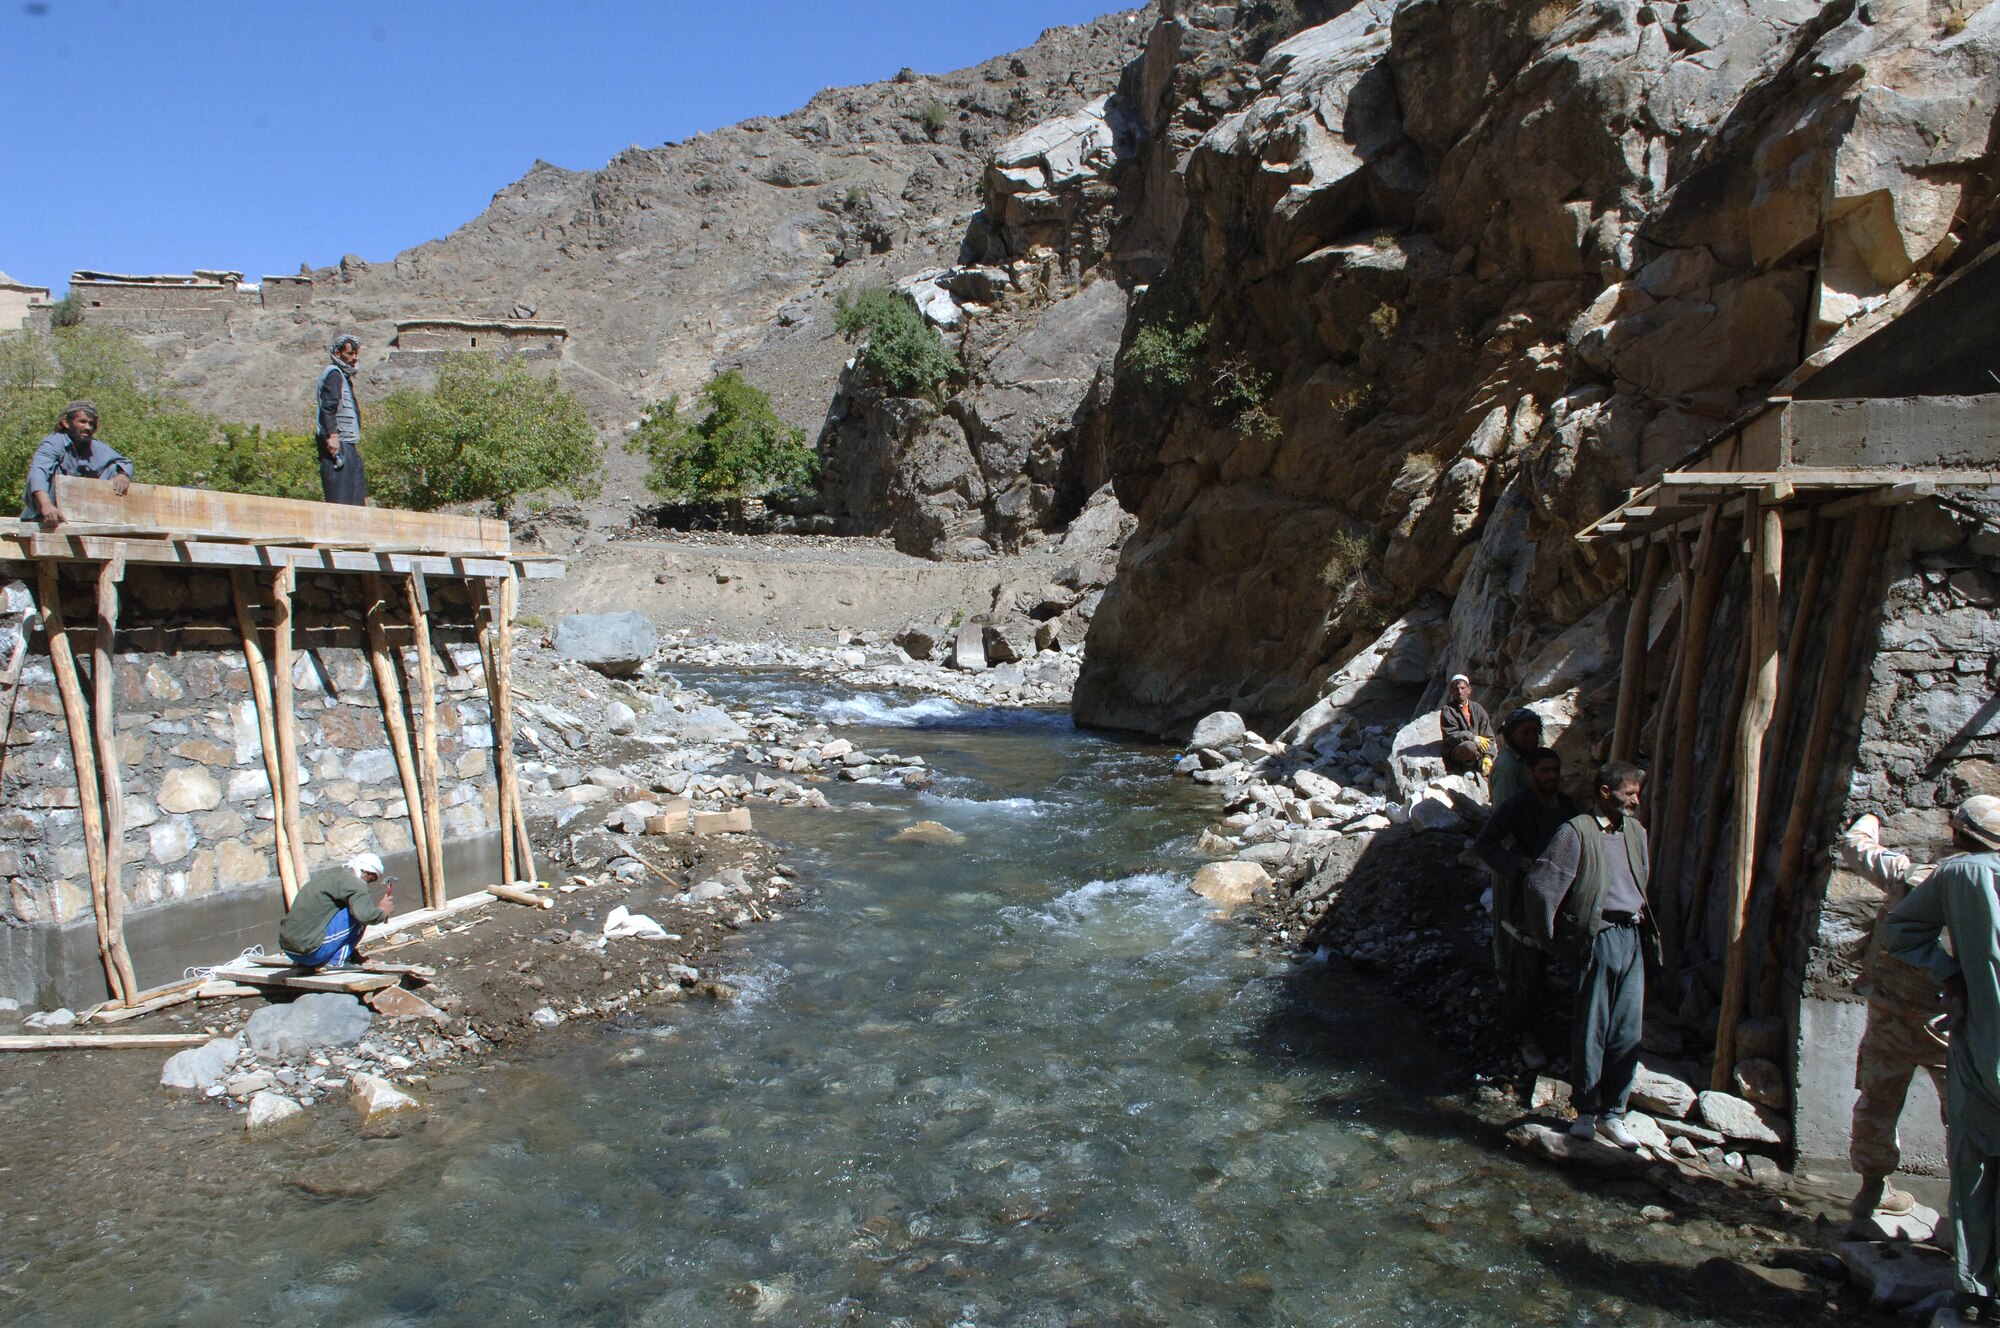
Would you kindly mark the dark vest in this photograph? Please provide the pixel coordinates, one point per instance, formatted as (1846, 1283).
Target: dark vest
(1581, 916)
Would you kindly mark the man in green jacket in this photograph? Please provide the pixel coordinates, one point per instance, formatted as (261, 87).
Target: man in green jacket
(332, 910)
(1586, 901)
(1963, 897)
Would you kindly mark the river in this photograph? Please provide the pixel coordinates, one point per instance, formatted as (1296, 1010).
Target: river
(1025, 1080)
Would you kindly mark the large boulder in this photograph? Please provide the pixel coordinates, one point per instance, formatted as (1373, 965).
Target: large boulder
(615, 644)
(1230, 884)
(198, 1068)
(316, 1019)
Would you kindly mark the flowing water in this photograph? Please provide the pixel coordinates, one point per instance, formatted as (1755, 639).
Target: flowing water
(1026, 1080)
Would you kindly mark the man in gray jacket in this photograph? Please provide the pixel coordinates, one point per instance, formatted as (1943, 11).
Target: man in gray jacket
(73, 449)
(1586, 901)
(341, 478)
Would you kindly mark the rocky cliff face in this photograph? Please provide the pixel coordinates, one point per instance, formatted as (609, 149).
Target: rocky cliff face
(674, 261)
(1447, 278)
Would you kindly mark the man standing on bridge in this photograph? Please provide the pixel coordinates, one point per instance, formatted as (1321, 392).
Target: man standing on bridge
(73, 449)
(341, 478)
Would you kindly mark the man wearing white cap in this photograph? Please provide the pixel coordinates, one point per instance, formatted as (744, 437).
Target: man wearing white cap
(1466, 728)
(334, 907)
(1963, 897)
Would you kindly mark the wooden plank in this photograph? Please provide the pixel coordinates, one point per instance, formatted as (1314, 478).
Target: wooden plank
(28, 547)
(424, 917)
(367, 966)
(267, 732)
(390, 693)
(1811, 477)
(159, 998)
(427, 753)
(204, 511)
(103, 716)
(110, 946)
(98, 1041)
(1761, 621)
(354, 983)
(283, 581)
(1632, 669)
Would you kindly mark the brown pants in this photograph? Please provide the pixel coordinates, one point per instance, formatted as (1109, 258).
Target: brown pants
(1897, 1042)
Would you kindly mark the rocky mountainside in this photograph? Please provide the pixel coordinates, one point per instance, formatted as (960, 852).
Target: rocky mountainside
(1442, 279)
(671, 262)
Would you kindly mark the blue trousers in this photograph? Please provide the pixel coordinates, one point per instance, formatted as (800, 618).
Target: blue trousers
(343, 933)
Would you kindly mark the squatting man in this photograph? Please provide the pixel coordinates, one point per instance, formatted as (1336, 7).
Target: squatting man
(326, 920)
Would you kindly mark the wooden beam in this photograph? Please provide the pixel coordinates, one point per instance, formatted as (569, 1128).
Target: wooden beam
(1712, 556)
(1829, 696)
(355, 982)
(98, 1041)
(1632, 669)
(427, 753)
(110, 943)
(29, 547)
(272, 520)
(283, 581)
(1828, 477)
(1715, 801)
(267, 732)
(503, 738)
(424, 917)
(484, 612)
(104, 714)
(390, 693)
(1761, 621)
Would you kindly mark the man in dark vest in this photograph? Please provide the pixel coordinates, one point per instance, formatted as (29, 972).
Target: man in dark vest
(341, 478)
(1586, 900)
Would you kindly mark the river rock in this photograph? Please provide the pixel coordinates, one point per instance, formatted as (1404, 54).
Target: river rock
(49, 1021)
(199, 1068)
(1661, 1094)
(1008, 641)
(375, 1097)
(927, 832)
(969, 649)
(1895, 1274)
(615, 644)
(1434, 813)
(620, 719)
(1762, 1083)
(1230, 884)
(920, 640)
(1224, 728)
(316, 1019)
(1735, 1118)
(270, 1112)
(1648, 1130)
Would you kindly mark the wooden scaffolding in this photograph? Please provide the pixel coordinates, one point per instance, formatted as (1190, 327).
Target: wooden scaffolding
(1824, 475)
(263, 544)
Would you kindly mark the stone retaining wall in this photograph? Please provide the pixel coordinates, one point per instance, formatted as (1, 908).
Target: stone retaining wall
(198, 806)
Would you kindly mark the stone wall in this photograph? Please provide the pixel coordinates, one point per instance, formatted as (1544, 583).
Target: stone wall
(145, 307)
(286, 292)
(434, 338)
(198, 807)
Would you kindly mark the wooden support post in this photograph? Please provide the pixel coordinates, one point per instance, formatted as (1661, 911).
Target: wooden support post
(1654, 738)
(267, 732)
(427, 752)
(1828, 698)
(1712, 556)
(488, 661)
(110, 942)
(390, 693)
(503, 736)
(104, 714)
(1767, 529)
(1632, 671)
(1715, 803)
(282, 582)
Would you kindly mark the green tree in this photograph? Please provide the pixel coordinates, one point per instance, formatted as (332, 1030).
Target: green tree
(737, 448)
(490, 429)
(169, 441)
(902, 350)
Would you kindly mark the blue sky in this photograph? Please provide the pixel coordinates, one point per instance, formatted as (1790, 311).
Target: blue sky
(156, 136)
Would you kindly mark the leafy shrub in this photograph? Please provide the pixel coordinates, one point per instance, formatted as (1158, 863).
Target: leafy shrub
(902, 351)
(1163, 354)
(169, 441)
(1419, 469)
(490, 429)
(67, 312)
(1243, 389)
(738, 447)
(935, 117)
(1385, 320)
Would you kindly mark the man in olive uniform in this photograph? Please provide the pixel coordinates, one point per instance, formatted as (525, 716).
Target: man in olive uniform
(1962, 897)
(1586, 900)
(331, 911)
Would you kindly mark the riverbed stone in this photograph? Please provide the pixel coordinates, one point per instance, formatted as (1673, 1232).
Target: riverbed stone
(920, 640)
(1230, 884)
(1735, 1119)
(615, 644)
(927, 832)
(1763, 1083)
(198, 1068)
(270, 1112)
(620, 719)
(969, 647)
(375, 1097)
(1895, 1273)
(189, 789)
(1661, 1094)
(316, 1019)
(1223, 728)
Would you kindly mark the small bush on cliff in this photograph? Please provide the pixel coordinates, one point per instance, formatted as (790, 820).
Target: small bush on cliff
(1345, 556)
(936, 116)
(1163, 354)
(169, 441)
(490, 429)
(902, 351)
(1242, 390)
(737, 448)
